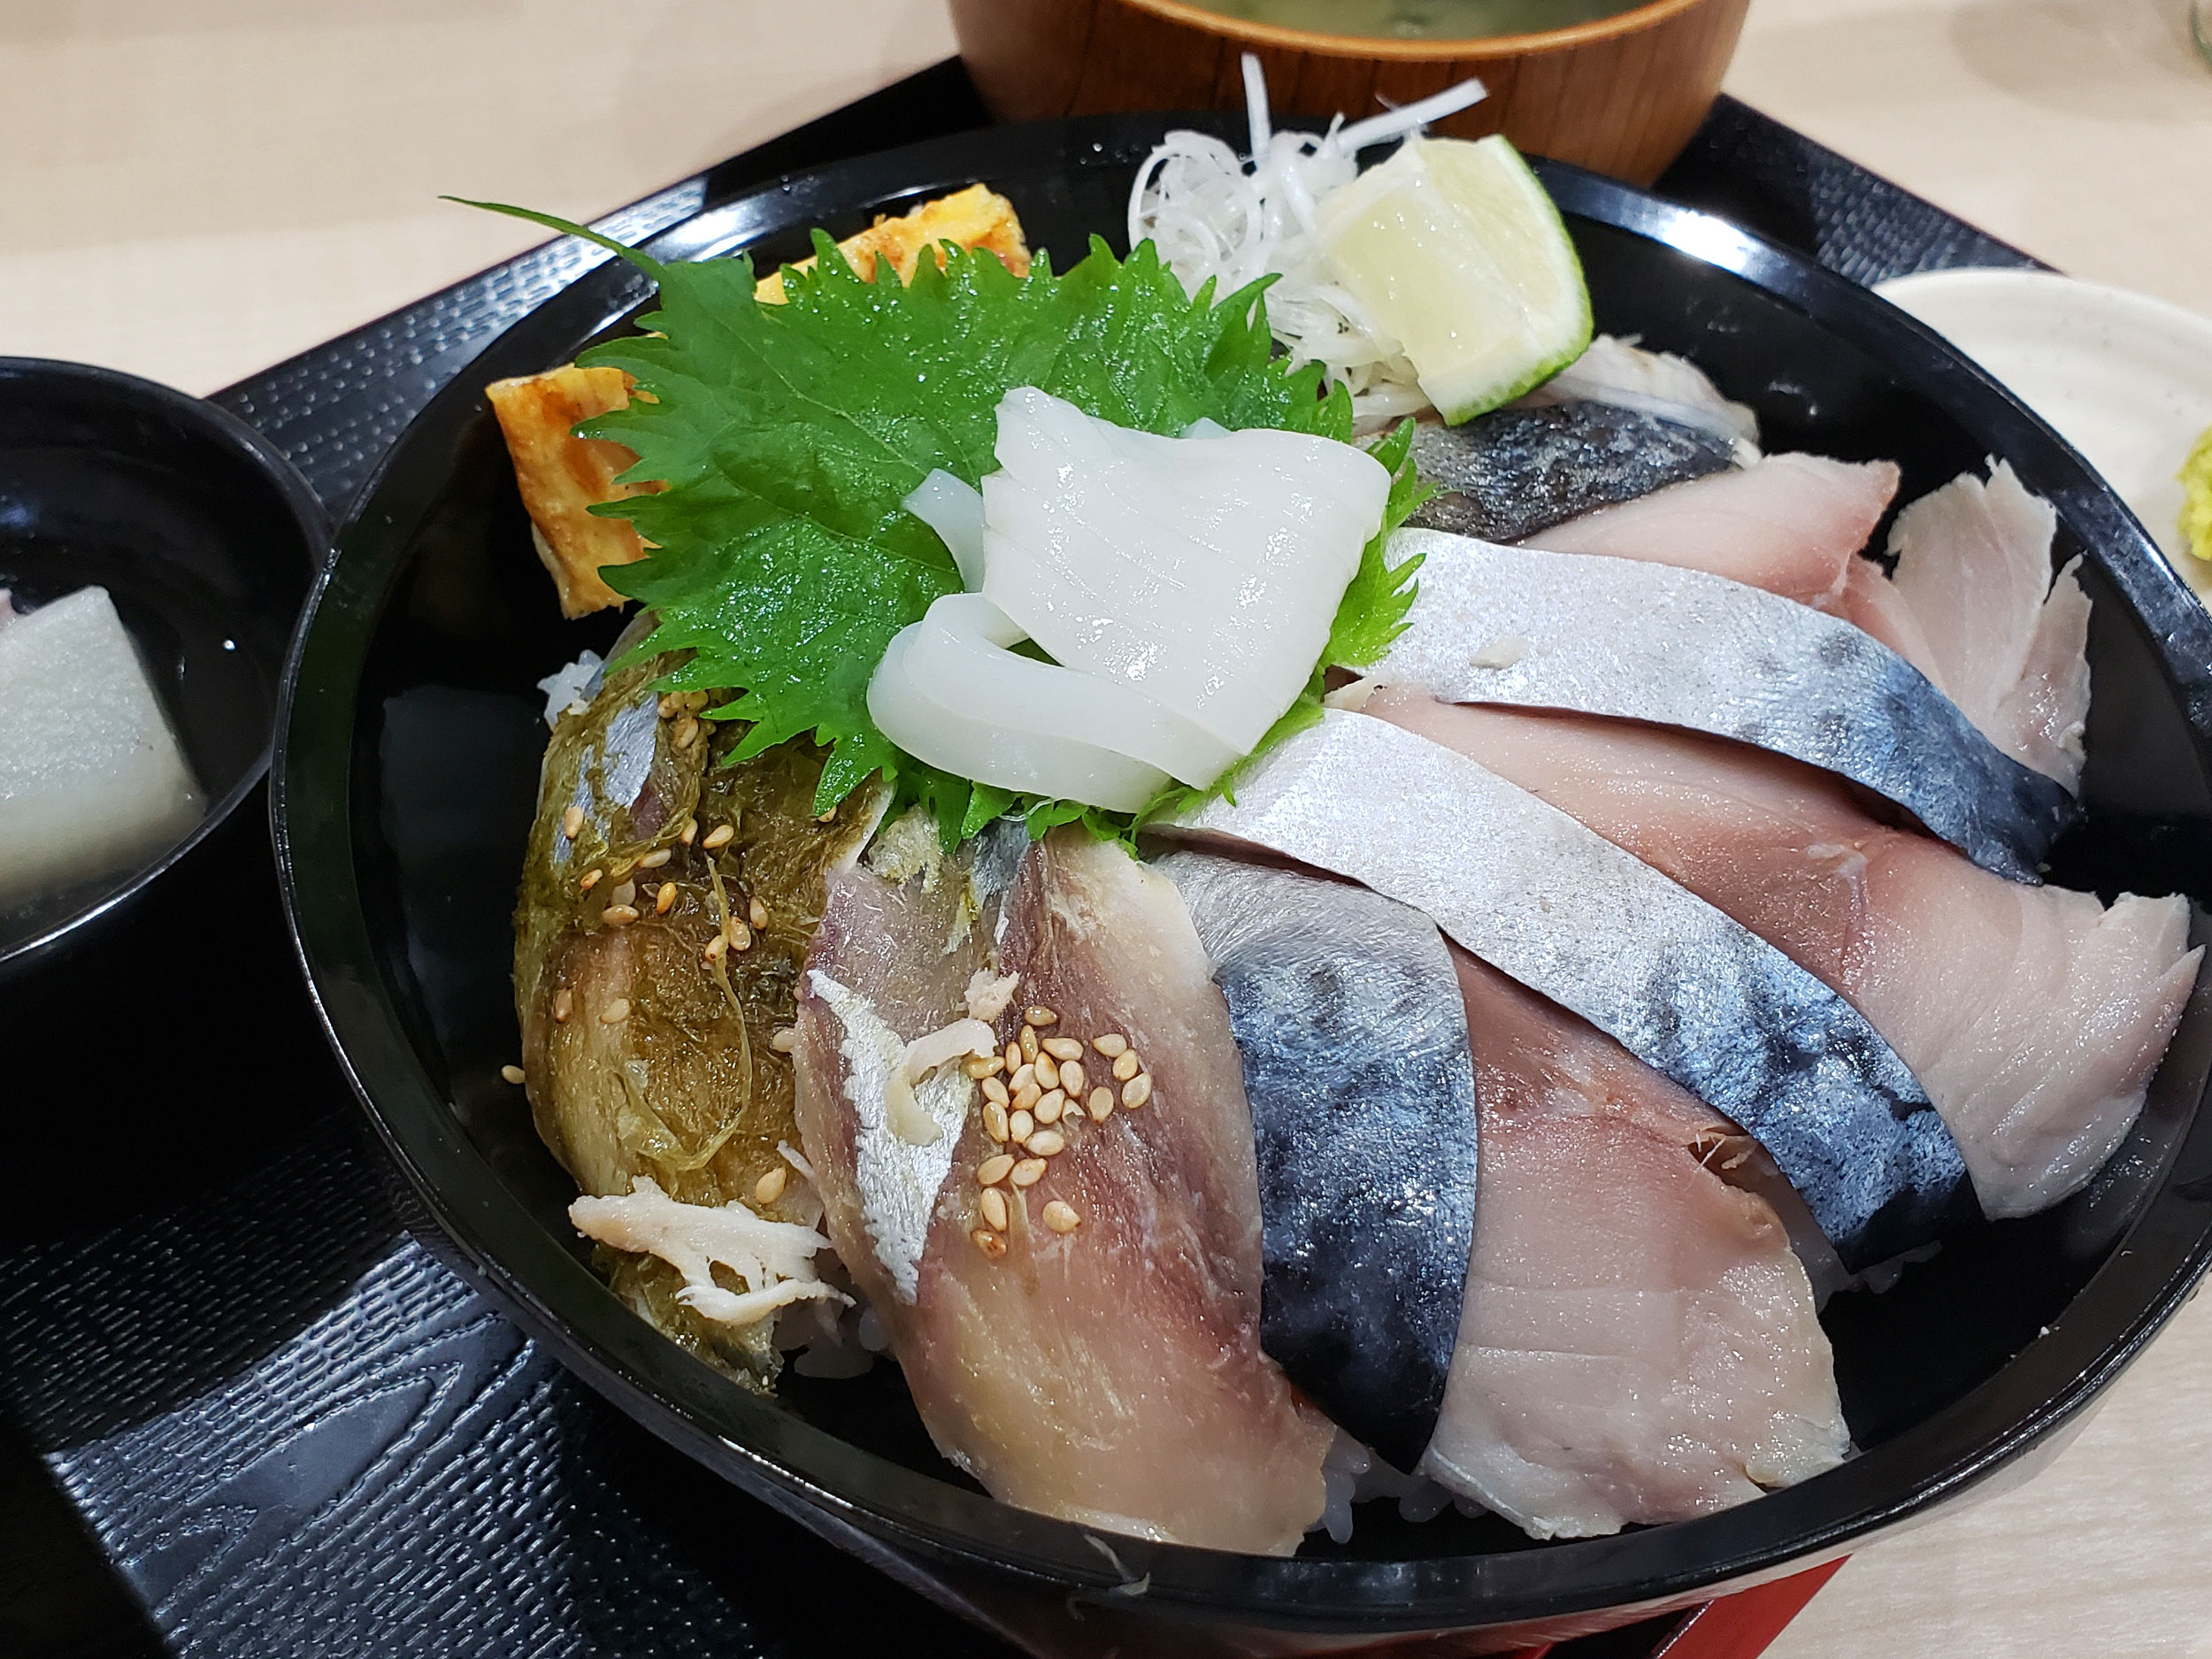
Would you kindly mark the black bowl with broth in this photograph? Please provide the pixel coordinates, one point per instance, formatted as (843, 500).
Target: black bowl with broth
(404, 786)
(206, 539)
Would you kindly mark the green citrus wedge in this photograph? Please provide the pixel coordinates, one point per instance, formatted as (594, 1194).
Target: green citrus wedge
(1457, 253)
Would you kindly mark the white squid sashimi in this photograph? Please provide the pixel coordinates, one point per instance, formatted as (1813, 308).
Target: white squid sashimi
(1204, 571)
(950, 692)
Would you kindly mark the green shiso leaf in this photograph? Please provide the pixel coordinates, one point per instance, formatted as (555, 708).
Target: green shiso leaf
(786, 437)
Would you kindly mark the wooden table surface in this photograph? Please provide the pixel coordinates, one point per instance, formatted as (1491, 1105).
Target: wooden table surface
(191, 189)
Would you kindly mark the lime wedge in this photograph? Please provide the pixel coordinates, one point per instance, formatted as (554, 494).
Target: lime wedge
(1456, 252)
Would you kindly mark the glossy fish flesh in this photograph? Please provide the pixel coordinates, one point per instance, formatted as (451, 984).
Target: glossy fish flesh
(2033, 1016)
(1525, 626)
(1974, 605)
(1353, 1039)
(1688, 991)
(1516, 470)
(1640, 1343)
(1110, 1374)
(1791, 524)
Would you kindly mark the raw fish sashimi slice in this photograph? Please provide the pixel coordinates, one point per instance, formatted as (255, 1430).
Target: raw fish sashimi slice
(1511, 472)
(1531, 628)
(1353, 1039)
(1973, 591)
(1973, 605)
(1112, 1375)
(1791, 524)
(1639, 1344)
(2033, 1016)
(1683, 987)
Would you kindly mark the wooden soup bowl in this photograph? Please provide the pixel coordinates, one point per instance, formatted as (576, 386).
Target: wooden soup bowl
(1620, 95)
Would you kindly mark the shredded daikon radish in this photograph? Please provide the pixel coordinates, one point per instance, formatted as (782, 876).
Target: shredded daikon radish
(1216, 219)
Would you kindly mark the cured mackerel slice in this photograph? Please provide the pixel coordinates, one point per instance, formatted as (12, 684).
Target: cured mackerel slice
(2033, 1016)
(1525, 626)
(1112, 1375)
(1640, 1345)
(1353, 1034)
(1516, 470)
(1691, 993)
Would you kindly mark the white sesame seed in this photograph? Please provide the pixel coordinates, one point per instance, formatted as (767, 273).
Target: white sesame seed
(1137, 1090)
(512, 1073)
(1027, 1096)
(564, 1005)
(984, 1066)
(786, 1040)
(1112, 1044)
(1025, 1076)
(589, 881)
(994, 1170)
(1029, 1171)
(664, 900)
(1020, 1126)
(626, 894)
(1063, 1047)
(994, 1123)
(1013, 1057)
(1060, 1217)
(689, 832)
(1126, 1065)
(1100, 1105)
(571, 821)
(996, 1091)
(720, 835)
(654, 859)
(1046, 1143)
(991, 1244)
(1040, 1017)
(993, 1207)
(1028, 1040)
(615, 1012)
(618, 915)
(1047, 1110)
(1048, 1072)
(757, 913)
(768, 1187)
(1072, 1078)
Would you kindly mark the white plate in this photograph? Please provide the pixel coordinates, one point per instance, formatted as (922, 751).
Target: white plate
(2125, 379)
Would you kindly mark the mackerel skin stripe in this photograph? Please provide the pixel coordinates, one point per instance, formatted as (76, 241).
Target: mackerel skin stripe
(1352, 1031)
(1535, 629)
(1691, 993)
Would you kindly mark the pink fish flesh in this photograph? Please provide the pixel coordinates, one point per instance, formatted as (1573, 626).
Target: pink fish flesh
(1112, 1375)
(1791, 524)
(1640, 1343)
(1972, 605)
(2033, 1016)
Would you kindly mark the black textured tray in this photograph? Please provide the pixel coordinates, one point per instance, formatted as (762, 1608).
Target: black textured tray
(286, 1427)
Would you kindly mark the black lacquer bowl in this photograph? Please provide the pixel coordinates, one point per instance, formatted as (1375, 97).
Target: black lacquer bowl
(405, 784)
(206, 539)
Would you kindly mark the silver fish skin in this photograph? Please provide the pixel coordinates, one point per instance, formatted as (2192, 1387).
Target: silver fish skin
(1352, 1029)
(1689, 992)
(1642, 641)
(1514, 471)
